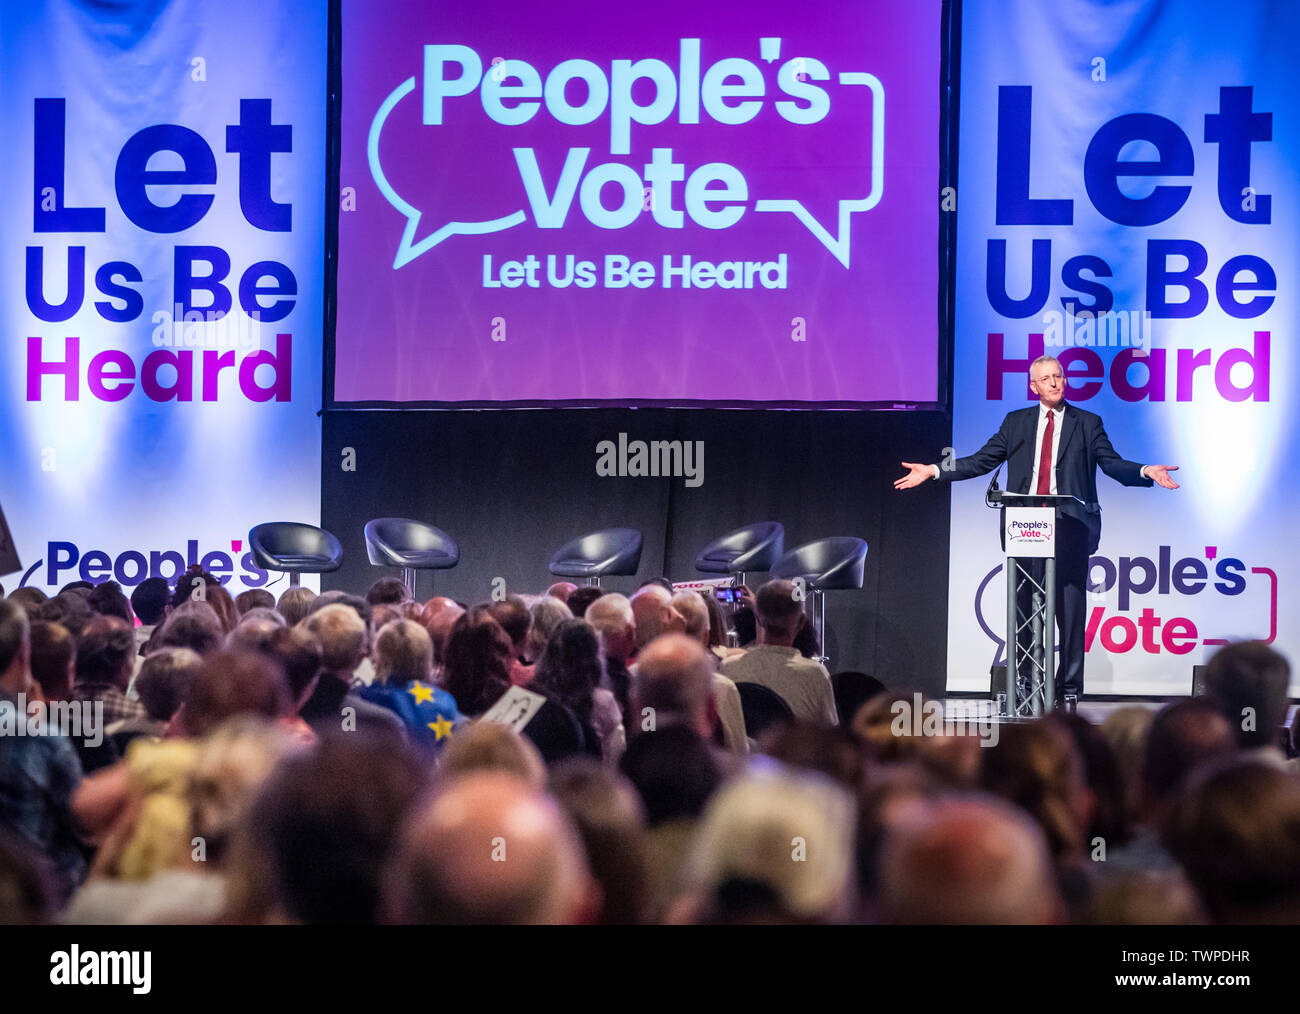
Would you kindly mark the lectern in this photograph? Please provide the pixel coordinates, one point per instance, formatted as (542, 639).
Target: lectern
(1028, 535)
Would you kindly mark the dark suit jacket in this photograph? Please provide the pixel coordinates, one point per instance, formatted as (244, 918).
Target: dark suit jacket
(1084, 448)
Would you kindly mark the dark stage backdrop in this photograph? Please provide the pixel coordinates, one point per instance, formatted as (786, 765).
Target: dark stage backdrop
(511, 486)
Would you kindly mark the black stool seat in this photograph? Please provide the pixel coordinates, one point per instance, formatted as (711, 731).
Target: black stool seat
(762, 708)
(613, 552)
(754, 548)
(825, 565)
(295, 547)
(411, 545)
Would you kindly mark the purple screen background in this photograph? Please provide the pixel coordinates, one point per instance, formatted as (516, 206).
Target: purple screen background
(424, 332)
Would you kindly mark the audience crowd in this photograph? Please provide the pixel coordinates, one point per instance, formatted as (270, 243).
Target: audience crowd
(585, 757)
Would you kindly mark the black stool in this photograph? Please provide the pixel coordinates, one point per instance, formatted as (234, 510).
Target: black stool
(411, 545)
(825, 565)
(753, 548)
(295, 548)
(613, 552)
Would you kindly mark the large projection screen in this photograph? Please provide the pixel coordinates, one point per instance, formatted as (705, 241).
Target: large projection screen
(732, 203)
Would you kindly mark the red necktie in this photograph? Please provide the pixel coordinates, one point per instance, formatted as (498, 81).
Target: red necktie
(1045, 456)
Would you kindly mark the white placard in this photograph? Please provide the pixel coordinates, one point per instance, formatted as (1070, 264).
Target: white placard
(1030, 531)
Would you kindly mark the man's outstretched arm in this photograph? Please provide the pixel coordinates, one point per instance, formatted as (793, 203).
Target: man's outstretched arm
(1123, 471)
(981, 462)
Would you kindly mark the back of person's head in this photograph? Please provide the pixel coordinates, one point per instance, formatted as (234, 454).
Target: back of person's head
(572, 667)
(230, 766)
(341, 598)
(294, 604)
(514, 618)
(67, 608)
(611, 616)
(165, 679)
(444, 876)
(82, 588)
(108, 599)
(775, 845)
(1236, 832)
(196, 584)
(968, 861)
(1101, 774)
(54, 652)
(254, 633)
(780, 614)
(298, 650)
(652, 609)
(29, 598)
(342, 634)
(674, 678)
(1183, 736)
(476, 662)
(811, 746)
(1037, 767)
(234, 683)
(14, 635)
(547, 613)
(149, 600)
(490, 746)
(1248, 681)
(674, 772)
(717, 622)
(253, 598)
(561, 590)
(580, 600)
(694, 613)
(387, 591)
(403, 652)
(257, 614)
(1126, 730)
(437, 617)
(321, 832)
(194, 625)
(106, 652)
(609, 816)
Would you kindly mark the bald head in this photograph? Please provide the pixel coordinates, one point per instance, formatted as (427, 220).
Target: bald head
(653, 612)
(969, 861)
(561, 590)
(489, 850)
(674, 676)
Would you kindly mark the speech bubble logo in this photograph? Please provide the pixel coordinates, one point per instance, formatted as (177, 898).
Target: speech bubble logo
(407, 248)
(838, 243)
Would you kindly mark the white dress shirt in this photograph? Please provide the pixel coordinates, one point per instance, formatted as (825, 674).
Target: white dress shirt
(1056, 447)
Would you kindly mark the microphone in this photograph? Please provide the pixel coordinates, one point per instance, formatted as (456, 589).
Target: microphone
(993, 495)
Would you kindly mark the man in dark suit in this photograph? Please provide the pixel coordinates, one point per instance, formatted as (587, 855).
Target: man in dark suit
(1054, 447)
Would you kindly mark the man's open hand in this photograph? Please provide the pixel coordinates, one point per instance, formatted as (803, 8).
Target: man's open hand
(917, 474)
(1160, 473)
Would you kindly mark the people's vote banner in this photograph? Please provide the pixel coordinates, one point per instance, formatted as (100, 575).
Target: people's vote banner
(161, 257)
(1128, 203)
(695, 202)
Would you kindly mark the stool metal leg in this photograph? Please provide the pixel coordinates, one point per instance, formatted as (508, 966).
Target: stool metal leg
(295, 579)
(408, 579)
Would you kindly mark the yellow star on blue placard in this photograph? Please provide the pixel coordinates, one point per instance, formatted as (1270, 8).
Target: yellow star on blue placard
(441, 728)
(420, 692)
